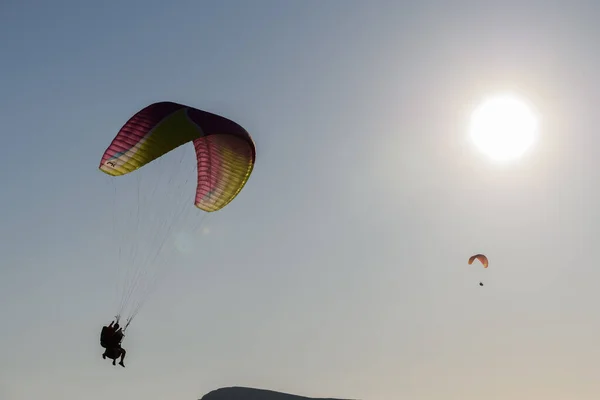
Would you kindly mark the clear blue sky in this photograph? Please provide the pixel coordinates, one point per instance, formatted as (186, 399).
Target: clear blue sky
(340, 270)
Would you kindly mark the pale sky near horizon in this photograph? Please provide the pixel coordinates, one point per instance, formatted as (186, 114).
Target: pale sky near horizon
(341, 268)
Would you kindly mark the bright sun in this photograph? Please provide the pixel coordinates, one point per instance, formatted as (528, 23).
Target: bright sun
(503, 127)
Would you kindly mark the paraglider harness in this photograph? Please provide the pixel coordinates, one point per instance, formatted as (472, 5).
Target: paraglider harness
(106, 342)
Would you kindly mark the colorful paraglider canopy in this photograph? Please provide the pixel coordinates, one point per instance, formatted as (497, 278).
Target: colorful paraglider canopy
(225, 152)
(483, 259)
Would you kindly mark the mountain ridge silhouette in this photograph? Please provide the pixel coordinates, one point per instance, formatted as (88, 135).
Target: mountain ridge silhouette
(246, 393)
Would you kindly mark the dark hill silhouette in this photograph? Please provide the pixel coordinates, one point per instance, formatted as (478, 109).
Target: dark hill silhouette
(243, 393)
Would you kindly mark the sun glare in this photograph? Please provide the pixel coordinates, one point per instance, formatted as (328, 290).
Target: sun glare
(503, 127)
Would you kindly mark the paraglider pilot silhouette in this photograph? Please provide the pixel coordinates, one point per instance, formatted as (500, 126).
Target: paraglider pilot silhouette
(110, 338)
